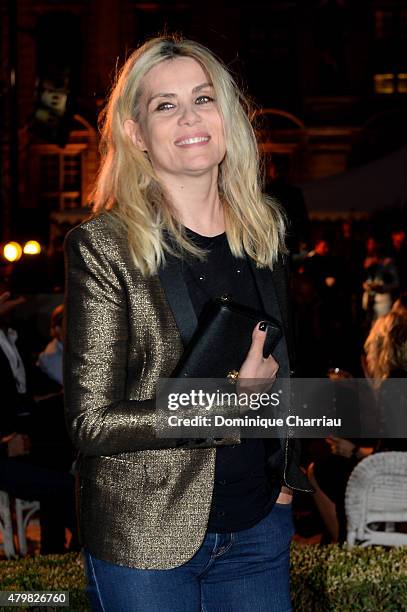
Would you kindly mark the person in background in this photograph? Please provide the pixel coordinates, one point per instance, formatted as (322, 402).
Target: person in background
(50, 360)
(381, 281)
(385, 363)
(16, 403)
(381, 344)
(50, 402)
(35, 453)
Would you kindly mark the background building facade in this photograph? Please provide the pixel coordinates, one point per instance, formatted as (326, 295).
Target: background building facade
(331, 74)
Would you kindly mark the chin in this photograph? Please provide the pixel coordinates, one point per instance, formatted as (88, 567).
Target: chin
(202, 165)
(198, 170)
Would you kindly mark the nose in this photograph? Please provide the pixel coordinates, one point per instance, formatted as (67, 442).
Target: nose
(189, 116)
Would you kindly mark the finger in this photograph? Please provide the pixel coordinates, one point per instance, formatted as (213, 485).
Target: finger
(273, 364)
(258, 339)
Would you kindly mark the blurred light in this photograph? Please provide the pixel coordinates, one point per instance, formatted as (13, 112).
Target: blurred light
(384, 83)
(32, 247)
(402, 82)
(12, 251)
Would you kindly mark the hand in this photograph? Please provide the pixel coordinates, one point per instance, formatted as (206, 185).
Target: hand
(255, 366)
(285, 496)
(340, 446)
(7, 305)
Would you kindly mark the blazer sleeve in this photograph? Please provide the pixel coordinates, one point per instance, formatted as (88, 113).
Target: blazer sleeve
(100, 421)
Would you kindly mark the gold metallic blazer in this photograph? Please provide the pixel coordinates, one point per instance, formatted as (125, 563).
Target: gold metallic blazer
(141, 505)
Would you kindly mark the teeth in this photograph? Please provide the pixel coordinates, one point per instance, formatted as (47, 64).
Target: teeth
(193, 140)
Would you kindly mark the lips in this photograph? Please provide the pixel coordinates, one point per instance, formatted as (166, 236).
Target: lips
(193, 140)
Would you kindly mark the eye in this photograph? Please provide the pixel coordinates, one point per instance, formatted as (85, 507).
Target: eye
(203, 100)
(163, 106)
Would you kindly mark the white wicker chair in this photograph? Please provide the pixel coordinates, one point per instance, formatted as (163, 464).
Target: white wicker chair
(6, 525)
(377, 493)
(24, 511)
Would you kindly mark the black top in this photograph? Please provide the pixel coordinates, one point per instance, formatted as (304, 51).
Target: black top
(242, 494)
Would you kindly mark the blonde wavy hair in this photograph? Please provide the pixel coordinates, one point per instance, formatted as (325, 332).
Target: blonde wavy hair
(128, 186)
(386, 345)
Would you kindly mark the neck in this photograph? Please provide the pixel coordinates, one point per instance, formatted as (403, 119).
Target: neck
(196, 202)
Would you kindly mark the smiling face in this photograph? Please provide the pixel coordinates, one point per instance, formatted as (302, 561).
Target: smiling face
(179, 124)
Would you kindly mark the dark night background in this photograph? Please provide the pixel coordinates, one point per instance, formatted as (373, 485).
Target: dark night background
(334, 70)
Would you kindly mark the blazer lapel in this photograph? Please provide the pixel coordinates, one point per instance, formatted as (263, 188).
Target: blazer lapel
(177, 295)
(272, 288)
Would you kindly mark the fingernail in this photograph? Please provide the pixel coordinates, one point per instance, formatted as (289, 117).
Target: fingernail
(263, 325)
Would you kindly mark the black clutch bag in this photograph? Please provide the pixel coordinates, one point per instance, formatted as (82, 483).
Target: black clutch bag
(224, 335)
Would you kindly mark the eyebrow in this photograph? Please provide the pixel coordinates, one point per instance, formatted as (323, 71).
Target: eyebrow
(173, 95)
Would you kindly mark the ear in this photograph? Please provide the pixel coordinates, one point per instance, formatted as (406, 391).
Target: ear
(133, 131)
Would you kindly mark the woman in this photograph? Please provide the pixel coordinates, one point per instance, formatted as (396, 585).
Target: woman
(386, 364)
(383, 343)
(174, 528)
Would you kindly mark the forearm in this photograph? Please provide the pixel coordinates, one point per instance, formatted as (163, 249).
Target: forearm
(117, 428)
(129, 426)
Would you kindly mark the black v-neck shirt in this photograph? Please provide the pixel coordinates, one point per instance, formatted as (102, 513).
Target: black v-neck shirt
(242, 493)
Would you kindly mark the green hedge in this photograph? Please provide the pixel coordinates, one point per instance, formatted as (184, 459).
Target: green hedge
(332, 578)
(51, 572)
(323, 578)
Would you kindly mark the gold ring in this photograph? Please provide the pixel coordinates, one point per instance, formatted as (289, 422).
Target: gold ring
(232, 376)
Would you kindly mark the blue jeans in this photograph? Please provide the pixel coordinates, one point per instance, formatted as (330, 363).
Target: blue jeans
(245, 571)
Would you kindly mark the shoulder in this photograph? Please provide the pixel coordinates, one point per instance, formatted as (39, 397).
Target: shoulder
(101, 234)
(100, 225)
